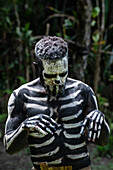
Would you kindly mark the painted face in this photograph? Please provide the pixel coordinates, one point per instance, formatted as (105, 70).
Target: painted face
(54, 75)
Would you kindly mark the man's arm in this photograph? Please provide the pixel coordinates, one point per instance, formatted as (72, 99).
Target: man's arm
(15, 136)
(98, 129)
(18, 127)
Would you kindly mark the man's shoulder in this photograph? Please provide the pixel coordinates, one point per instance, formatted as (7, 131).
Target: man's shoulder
(76, 83)
(27, 86)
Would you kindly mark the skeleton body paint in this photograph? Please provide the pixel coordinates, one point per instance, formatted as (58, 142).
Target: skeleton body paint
(54, 75)
(52, 113)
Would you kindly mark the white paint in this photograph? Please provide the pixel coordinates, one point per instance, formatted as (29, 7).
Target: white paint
(73, 104)
(36, 98)
(95, 100)
(70, 136)
(72, 125)
(47, 154)
(106, 124)
(48, 142)
(35, 106)
(58, 161)
(55, 67)
(37, 135)
(73, 147)
(15, 133)
(70, 96)
(78, 156)
(72, 116)
(94, 115)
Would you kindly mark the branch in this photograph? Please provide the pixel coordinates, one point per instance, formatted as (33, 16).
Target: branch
(60, 15)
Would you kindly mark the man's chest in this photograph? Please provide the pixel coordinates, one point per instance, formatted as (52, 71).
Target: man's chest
(64, 109)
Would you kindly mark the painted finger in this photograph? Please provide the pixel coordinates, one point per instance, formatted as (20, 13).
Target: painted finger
(94, 137)
(48, 124)
(82, 130)
(34, 117)
(90, 114)
(45, 128)
(90, 130)
(94, 115)
(40, 130)
(98, 118)
(96, 127)
(101, 119)
(50, 120)
(99, 130)
(83, 127)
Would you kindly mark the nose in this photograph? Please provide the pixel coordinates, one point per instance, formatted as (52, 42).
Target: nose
(57, 81)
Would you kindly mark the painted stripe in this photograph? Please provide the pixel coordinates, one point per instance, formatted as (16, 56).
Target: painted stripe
(82, 155)
(95, 100)
(73, 104)
(35, 106)
(70, 136)
(48, 142)
(72, 116)
(72, 125)
(70, 96)
(47, 154)
(10, 109)
(36, 98)
(37, 134)
(73, 84)
(72, 147)
(11, 99)
(9, 138)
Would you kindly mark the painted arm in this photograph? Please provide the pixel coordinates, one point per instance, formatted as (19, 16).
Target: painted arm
(98, 129)
(17, 126)
(15, 136)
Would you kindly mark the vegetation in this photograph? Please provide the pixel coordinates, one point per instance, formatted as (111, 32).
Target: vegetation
(87, 27)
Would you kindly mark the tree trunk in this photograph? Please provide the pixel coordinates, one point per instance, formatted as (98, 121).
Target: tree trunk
(83, 31)
(101, 31)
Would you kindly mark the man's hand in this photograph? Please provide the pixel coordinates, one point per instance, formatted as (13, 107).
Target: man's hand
(43, 124)
(94, 122)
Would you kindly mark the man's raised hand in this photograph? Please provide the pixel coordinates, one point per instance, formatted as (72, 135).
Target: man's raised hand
(94, 122)
(41, 123)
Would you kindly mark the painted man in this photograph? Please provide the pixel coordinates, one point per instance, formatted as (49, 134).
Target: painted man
(52, 113)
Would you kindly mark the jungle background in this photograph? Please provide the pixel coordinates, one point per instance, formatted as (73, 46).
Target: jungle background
(87, 26)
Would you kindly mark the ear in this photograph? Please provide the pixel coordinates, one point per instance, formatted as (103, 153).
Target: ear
(38, 68)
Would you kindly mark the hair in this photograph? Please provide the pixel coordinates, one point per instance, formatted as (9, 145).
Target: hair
(51, 47)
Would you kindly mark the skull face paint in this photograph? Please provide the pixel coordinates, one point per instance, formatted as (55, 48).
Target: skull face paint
(54, 76)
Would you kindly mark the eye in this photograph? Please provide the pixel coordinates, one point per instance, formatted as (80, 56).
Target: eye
(50, 75)
(63, 74)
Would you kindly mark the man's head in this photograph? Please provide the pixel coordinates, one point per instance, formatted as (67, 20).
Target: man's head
(52, 57)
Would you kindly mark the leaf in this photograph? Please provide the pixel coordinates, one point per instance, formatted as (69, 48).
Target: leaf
(27, 25)
(93, 23)
(96, 37)
(95, 12)
(22, 80)
(8, 91)
(3, 117)
(19, 33)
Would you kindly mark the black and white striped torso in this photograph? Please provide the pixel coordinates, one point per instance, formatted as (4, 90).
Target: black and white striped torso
(66, 146)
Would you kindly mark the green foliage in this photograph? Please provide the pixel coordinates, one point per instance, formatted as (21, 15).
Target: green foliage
(103, 102)
(95, 12)
(111, 78)
(3, 117)
(22, 80)
(96, 37)
(24, 22)
(106, 150)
